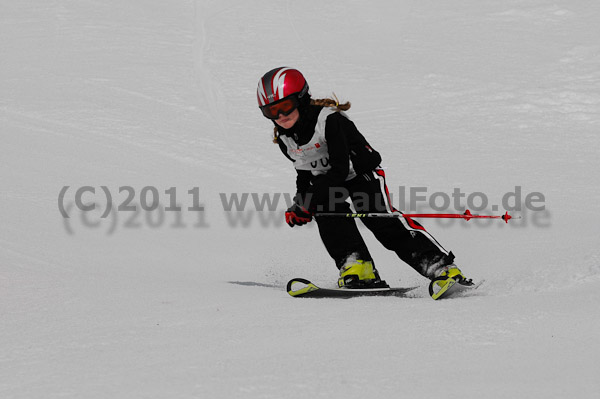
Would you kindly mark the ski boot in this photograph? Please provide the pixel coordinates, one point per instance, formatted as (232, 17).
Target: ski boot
(360, 274)
(449, 276)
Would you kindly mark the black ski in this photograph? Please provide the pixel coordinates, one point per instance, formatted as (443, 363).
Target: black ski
(310, 290)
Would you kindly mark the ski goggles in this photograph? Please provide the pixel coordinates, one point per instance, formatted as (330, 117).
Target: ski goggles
(283, 107)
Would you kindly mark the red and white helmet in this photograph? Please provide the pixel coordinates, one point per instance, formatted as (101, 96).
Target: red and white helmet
(280, 83)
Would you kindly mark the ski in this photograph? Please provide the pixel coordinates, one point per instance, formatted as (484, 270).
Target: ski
(310, 290)
(454, 288)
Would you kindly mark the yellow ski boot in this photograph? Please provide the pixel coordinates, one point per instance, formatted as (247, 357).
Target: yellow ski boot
(449, 276)
(360, 274)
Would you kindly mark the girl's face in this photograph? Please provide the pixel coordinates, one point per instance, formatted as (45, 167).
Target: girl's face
(287, 122)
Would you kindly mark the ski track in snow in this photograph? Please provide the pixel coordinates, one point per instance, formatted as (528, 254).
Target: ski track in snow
(478, 95)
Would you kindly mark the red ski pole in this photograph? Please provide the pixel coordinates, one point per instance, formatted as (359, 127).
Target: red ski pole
(467, 215)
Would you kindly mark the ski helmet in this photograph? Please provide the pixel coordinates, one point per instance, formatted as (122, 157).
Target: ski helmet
(280, 83)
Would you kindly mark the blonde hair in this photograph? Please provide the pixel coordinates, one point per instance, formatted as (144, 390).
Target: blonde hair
(321, 102)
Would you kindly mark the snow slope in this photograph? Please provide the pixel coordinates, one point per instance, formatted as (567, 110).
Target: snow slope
(478, 95)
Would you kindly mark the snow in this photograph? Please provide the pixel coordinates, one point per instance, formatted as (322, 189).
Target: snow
(478, 95)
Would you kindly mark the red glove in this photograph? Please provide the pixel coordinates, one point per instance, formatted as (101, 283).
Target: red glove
(297, 215)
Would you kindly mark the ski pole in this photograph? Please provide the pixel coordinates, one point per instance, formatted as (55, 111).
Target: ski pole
(467, 215)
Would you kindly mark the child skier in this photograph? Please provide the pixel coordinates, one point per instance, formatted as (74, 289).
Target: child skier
(334, 162)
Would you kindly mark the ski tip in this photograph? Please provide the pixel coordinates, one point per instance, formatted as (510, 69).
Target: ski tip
(439, 286)
(306, 286)
(443, 287)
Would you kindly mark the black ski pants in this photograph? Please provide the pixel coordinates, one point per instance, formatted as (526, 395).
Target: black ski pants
(407, 238)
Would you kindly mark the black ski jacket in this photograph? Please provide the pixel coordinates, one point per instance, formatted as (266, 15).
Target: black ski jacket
(344, 143)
